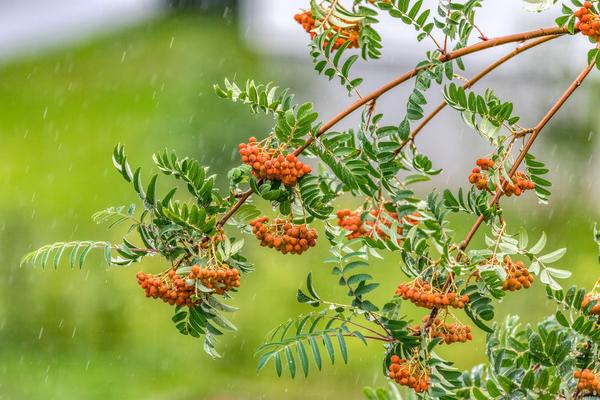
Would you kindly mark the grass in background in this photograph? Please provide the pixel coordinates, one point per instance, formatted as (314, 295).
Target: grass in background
(90, 333)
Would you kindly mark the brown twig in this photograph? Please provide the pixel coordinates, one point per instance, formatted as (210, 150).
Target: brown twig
(534, 134)
(482, 36)
(517, 37)
(472, 82)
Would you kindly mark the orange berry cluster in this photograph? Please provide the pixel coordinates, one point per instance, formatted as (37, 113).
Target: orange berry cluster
(272, 165)
(588, 22)
(174, 289)
(519, 184)
(378, 219)
(351, 221)
(517, 276)
(221, 280)
(284, 236)
(588, 380)
(480, 178)
(407, 373)
(450, 333)
(476, 177)
(170, 288)
(347, 34)
(590, 297)
(423, 295)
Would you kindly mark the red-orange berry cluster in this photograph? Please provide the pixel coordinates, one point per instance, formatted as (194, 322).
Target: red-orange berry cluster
(377, 220)
(346, 34)
(519, 184)
(423, 295)
(221, 279)
(171, 288)
(408, 373)
(307, 21)
(588, 22)
(271, 164)
(517, 275)
(351, 221)
(284, 236)
(450, 333)
(174, 289)
(478, 178)
(589, 298)
(588, 381)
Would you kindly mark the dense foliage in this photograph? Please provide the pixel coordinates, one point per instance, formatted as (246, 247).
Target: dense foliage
(200, 236)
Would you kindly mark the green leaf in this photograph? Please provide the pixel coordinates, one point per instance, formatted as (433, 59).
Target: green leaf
(278, 364)
(328, 347)
(553, 256)
(303, 357)
(315, 351)
(291, 362)
(342, 344)
(539, 246)
(310, 287)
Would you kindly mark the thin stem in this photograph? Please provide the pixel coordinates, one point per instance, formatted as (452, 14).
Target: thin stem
(241, 200)
(446, 34)
(481, 34)
(471, 82)
(378, 322)
(150, 251)
(538, 128)
(517, 37)
(330, 11)
(361, 326)
(365, 336)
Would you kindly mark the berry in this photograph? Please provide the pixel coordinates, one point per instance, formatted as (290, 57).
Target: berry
(346, 34)
(481, 175)
(450, 333)
(588, 22)
(479, 178)
(352, 221)
(271, 164)
(517, 275)
(588, 381)
(589, 298)
(423, 295)
(284, 236)
(485, 163)
(408, 373)
(172, 289)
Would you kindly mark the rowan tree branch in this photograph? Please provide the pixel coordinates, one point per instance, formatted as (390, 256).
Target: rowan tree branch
(471, 83)
(521, 156)
(534, 134)
(517, 37)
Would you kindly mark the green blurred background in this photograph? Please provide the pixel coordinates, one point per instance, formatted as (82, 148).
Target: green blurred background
(90, 333)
